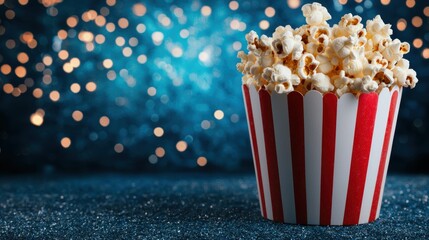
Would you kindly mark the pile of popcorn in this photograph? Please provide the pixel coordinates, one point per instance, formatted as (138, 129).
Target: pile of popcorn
(345, 58)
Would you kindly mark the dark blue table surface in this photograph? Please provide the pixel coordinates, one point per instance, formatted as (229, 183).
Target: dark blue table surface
(113, 206)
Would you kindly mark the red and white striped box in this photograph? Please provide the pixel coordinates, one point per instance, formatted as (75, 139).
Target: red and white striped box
(320, 159)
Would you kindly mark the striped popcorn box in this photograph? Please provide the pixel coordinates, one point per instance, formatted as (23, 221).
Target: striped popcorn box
(320, 159)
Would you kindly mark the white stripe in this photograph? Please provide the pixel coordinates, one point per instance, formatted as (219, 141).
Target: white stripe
(346, 121)
(252, 145)
(389, 150)
(256, 106)
(313, 107)
(375, 154)
(284, 159)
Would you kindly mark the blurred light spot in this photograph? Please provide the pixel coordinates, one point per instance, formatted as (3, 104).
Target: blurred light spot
(63, 54)
(100, 21)
(234, 118)
(75, 87)
(107, 63)
(118, 148)
(37, 93)
(385, 2)
(23, 2)
(133, 42)
(110, 27)
(426, 11)
(22, 57)
(177, 52)
(72, 21)
(417, 21)
(425, 53)
(10, 14)
(6, 69)
(157, 38)
(54, 96)
(218, 114)
(141, 28)
(123, 23)
(293, 3)
(270, 12)
(202, 161)
(100, 39)
(418, 43)
(233, 5)
(142, 59)
(203, 56)
(151, 91)
(206, 11)
(184, 33)
(120, 41)
(77, 116)
(205, 124)
(139, 9)
(47, 60)
(8, 88)
(91, 86)
(235, 24)
(104, 121)
(402, 24)
(181, 146)
(264, 24)
(20, 71)
(36, 119)
(153, 159)
(86, 36)
(158, 131)
(75, 62)
(236, 45)
(26, 37)
(10, 44)
(160, 152)
(67, 67)
(343, 2)
(410, 3)
(65, 142)
(164, 20)
(111, 2)
(127, 51)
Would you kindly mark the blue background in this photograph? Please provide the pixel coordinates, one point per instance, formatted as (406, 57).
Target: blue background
(155, 85)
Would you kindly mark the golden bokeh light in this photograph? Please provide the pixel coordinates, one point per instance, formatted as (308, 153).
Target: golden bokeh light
(8, 88)
(107, 63)
(91, 86)
(62, 34)
(22, 57)
(72, 21)
(100, 20)
(343, 2)
(158, 131)
(20, 71)
(293, 3)
(65, 142)
(401, 25)
(418, 43)
(86, 36)
(425, 53)
(23, 2)
(63, 54)
(264, 24)
(47, 60)
(426, 11)
(139, 9)
(151, 91)
(104, 121)
(270, 12)
(206, 11)
(100, 39)
(54, 96)
(123, 23)
(75, 87)
(181, 146)
(111, 2)
(77, 115)
(36, 119)
(233, 5)
(37, 93)
(142, 59)
(160, 152)
(6, 69)
(110, 27)
(202, 161)
(75, 62)
(218, 114)
(67, 67)
(385, 2)
(417, 21)
(410, 3)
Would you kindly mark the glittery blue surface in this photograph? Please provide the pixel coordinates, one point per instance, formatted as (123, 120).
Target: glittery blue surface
(185, 206)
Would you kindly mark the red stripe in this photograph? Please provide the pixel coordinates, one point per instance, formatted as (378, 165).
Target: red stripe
(255, 149)
(380, 175)
(296, 125)
(364, 129)
(270, 149)
(328, 155)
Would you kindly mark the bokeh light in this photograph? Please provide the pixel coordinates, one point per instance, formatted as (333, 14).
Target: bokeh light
(155, 83)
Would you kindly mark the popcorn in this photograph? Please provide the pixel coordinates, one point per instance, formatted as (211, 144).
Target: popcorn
(347, 58)
(315, 14)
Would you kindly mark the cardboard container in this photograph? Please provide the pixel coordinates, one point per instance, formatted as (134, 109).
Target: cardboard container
(320, 159)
